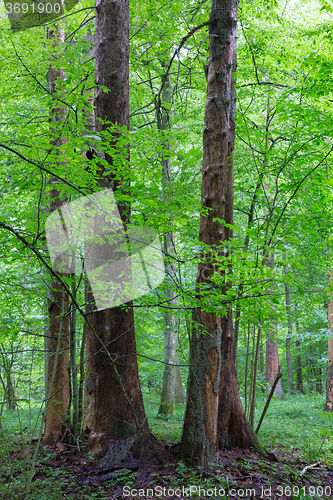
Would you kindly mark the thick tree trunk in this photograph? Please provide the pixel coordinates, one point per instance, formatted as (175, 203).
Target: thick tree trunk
(288, 339)
(214, 414)
(329, 374)
(117, 411)
(272, 366)
(58, 342)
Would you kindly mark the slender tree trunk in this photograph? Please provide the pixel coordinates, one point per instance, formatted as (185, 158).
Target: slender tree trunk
(214, 414)
(57, 363)
(247, 364)
(299, 375)
(117, 413)
(81, 400)
(171, 374)
(179, 391)
(288, 339)
(319, 384)
(255, 373)
(329, 373)
(311, 377)
(261, 355)
(7, 364)
(236, 334)
(73, 368)
(168, 395)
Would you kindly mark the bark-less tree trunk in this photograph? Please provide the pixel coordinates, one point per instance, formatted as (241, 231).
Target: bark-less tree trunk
(329, 374)
(117, 413)
(214, 413)
(289, 336)
(172, 389)
(57, 374)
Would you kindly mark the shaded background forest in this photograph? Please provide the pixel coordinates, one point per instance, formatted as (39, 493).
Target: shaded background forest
(282, 228)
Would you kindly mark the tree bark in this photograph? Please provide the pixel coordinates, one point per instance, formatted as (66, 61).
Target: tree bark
(58, 303)
(214, 414)
(117, 411)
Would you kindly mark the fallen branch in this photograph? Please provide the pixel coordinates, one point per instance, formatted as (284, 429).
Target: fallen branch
(278, 376)
(312, 466)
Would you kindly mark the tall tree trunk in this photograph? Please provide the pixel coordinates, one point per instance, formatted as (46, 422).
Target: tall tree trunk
(255, 373)
(329, 374)
(299, 375)
(288, 339)
(214, 413)
(171, 374)
(58, 303)
(117, 411)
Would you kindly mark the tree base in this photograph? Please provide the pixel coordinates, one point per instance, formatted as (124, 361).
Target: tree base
(112, 451)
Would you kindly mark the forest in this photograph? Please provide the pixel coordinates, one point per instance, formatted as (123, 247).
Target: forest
(166, 249)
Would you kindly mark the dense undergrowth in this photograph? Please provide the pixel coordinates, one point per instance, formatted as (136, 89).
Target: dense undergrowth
(296, 430)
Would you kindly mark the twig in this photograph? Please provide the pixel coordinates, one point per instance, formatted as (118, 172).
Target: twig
(312, 466)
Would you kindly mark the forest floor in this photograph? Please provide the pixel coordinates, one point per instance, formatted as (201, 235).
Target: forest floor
(295, 431)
